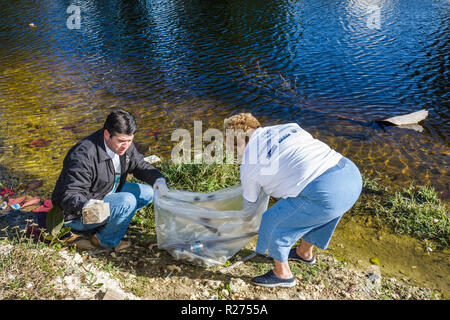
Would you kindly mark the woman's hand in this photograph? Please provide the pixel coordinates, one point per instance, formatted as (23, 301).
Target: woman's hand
(160, 184)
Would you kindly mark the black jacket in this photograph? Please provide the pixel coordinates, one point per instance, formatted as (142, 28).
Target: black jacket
(88, 173)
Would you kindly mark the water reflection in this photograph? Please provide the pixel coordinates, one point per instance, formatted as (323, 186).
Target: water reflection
(172, 62)
(315, 62)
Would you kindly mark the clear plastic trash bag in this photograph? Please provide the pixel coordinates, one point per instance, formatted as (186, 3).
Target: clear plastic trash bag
(206, 228)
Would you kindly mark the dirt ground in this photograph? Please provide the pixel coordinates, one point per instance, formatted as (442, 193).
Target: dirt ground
(146, 272)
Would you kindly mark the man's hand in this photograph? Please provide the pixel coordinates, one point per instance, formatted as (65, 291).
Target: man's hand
(160, 184)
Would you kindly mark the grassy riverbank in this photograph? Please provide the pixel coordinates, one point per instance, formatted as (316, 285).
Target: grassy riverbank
(414, 210)
(30, 270)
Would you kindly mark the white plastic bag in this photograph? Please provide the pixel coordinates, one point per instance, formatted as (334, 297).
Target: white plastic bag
(206, 228)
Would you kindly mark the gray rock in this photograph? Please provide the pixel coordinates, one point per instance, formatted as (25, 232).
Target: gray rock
(374, 270)
(373, 278)
(112, 294)
(237, 285)
(283, 295)
(95, 212)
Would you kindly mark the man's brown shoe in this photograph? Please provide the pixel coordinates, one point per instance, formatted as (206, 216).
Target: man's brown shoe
(80, 242)
(121, 246)
(95, 242)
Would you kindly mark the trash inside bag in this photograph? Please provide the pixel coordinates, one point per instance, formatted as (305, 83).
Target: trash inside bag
(206, 229)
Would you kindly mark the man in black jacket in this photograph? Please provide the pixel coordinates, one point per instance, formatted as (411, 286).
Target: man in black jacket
(97, 168)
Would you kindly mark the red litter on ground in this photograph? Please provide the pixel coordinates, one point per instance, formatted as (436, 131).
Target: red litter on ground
(6, 191)
(46, 207)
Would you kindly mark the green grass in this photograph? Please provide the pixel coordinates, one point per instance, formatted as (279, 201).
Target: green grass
(262, 267)
(414, 210)
(418, 212)
(373, 184)
(200, 177)
(28, 270)
(190, 177)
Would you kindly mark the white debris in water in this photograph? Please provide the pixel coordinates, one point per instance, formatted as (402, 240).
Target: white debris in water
(152, 159)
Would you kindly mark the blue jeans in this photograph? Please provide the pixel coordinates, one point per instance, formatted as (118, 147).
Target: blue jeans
(123, 206)
(313, 214)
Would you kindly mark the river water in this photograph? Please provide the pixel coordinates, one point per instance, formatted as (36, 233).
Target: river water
(332, 66)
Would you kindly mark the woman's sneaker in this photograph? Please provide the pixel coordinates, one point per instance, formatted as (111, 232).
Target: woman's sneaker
(271, 280)
(293, 256)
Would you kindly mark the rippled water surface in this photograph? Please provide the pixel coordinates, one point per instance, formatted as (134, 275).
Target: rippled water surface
(332, 66)
(170, 62)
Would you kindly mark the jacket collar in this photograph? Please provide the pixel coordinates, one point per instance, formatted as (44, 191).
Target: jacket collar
(101, 150)
(99, 142)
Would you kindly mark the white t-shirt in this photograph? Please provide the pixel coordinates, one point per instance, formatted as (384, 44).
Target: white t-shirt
(115, 158)
(282, 160)
(116, 161)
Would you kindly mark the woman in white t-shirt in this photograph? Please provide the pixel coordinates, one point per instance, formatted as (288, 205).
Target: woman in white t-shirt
(316, 186)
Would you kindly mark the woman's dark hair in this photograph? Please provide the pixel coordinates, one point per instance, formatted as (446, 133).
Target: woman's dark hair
(120, 122)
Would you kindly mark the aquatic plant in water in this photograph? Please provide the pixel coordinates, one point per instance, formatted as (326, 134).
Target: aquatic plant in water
(418, 212)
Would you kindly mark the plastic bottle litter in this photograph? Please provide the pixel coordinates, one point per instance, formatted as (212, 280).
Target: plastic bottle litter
(15, 206)
(196, 246)
(206, 228)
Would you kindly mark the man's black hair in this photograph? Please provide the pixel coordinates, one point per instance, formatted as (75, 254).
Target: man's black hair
(120, 122)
